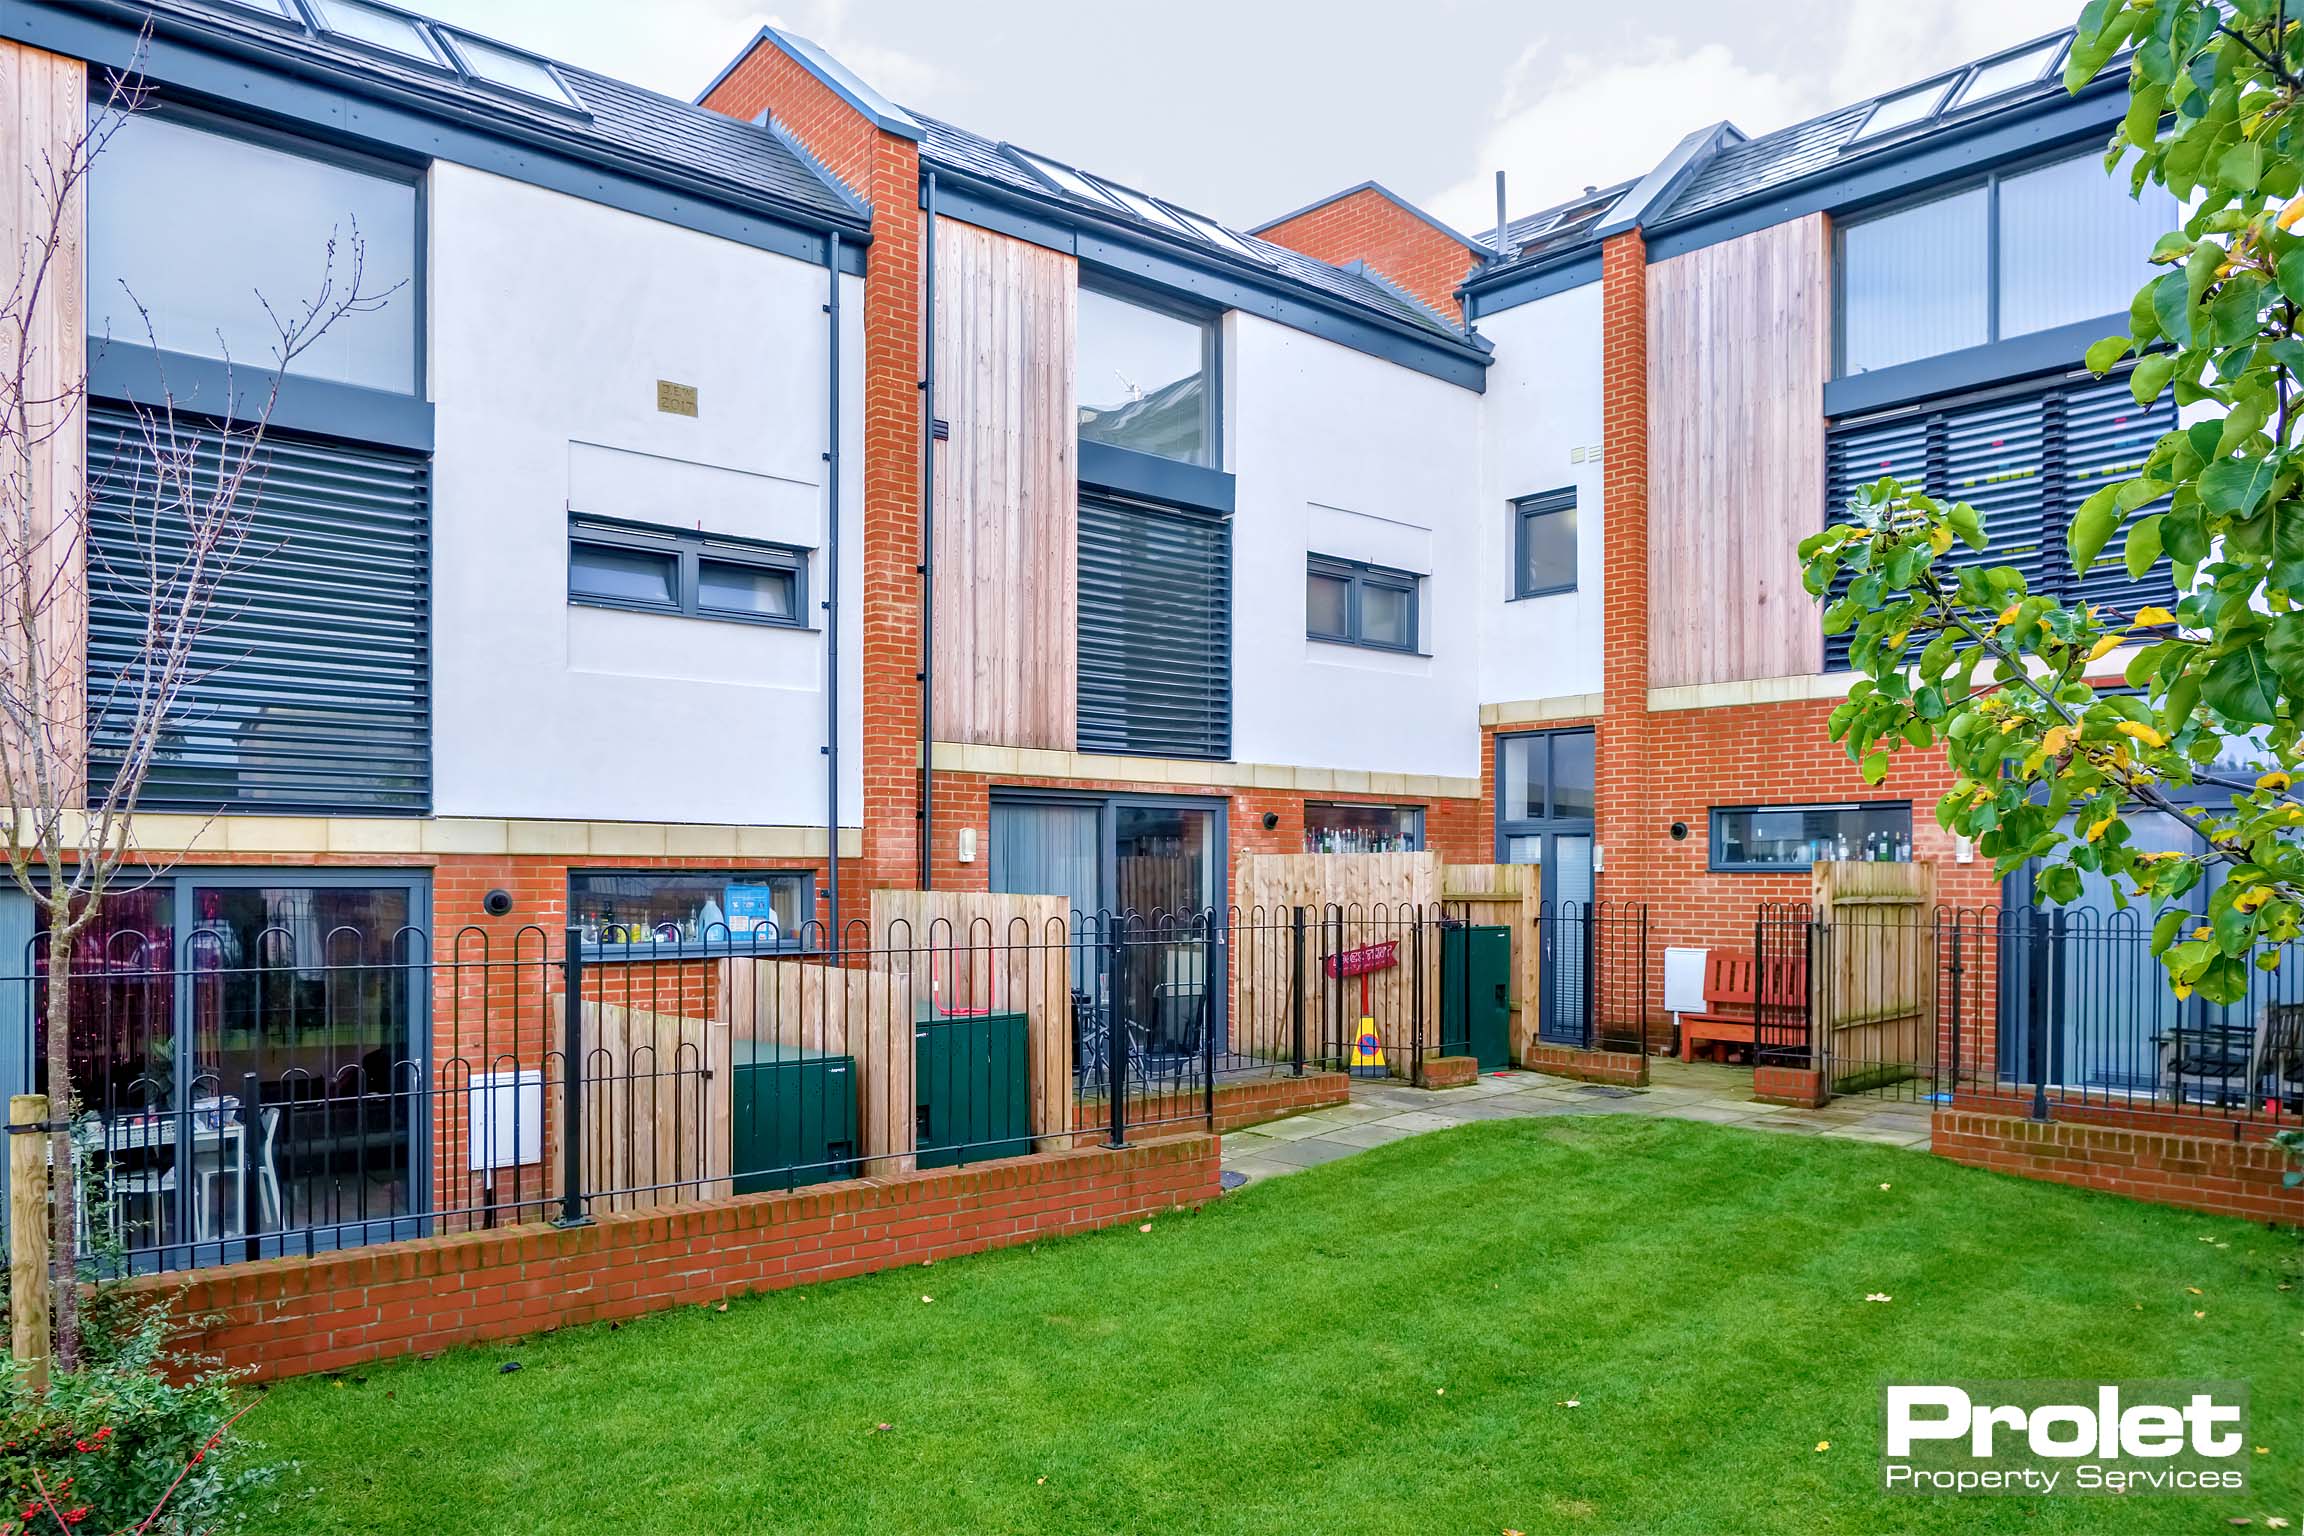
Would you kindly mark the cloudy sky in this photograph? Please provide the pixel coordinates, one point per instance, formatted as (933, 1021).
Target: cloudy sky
(1248, 108)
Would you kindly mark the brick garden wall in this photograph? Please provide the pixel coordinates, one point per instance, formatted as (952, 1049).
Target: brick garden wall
(291, 1317)
(2200, 1171)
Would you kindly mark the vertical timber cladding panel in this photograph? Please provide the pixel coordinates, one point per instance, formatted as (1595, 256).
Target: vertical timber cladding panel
(656, 1106)
(992, 952)
(43, 113)
(1378, 896)
(1877, 998)
(1007, 496)
(1739, 346)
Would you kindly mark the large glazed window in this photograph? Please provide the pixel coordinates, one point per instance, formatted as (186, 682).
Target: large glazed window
(1146, 378)
(2019, 252)
(310, 687)
(1155, 630)
(202, 229)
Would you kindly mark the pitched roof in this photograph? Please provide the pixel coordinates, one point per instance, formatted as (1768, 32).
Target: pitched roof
(633, 130)
(955, 149)
(1478, 247)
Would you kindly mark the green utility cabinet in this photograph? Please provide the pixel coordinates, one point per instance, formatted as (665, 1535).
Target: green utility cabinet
(1476, 994)
(974, 1087)
(795, 1116)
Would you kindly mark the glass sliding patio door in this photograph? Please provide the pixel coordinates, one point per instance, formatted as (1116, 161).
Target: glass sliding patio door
(252, 1051)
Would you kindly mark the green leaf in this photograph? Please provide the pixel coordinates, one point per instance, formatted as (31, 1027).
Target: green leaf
(2105, 353)
(1965, 521)
(2172, 308)
(2143, 546)
(2242, 165)
(2237, 310)
(2284, 648)
(2242, 687)
(1874, 767)
(2092, 527)
(2151, 376)
(2237, 487)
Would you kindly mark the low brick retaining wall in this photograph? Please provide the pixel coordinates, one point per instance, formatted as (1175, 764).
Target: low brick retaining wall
(1256, 1100)
(2202, 1170)
(1799, 1087)
(1447, 1071)
(1625, 1069)
(292, 1317)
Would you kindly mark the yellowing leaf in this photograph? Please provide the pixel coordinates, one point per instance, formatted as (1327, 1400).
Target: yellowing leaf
(2057, 739)
(2290, 214)
(2098, 829)
(2104, 647)
(2007, 616)
(2252, 898)
(1940, 539)
(2275, 781)
(1823, 1445)
(2153, 617)
(2139, 731)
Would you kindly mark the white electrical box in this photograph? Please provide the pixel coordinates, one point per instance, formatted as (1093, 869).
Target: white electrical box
(1684, 979)
(507, 1118)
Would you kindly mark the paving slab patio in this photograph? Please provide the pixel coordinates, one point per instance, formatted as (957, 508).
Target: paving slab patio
(1386, 1110)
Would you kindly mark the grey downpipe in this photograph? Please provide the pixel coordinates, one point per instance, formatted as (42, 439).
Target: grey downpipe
(832, 598)
(928, 544)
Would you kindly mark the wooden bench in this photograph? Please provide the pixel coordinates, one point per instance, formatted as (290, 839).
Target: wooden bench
(1729, 1012)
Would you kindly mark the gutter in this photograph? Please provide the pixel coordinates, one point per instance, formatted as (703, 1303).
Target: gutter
(927, 566)
(832, 598)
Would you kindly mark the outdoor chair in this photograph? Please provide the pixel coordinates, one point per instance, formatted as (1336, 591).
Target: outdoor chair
(2214, 1057)
(1732, 984)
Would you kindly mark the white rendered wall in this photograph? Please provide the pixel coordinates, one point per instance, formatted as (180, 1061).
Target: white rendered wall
(1541, 432)
(1339, 453)
(550, 322)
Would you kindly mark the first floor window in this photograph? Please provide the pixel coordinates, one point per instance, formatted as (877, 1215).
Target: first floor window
(1338, 828)
(1350, 602)
(1155, 616)
(1544, 544)
(655, 911)
(695, 575)
(1791, 837)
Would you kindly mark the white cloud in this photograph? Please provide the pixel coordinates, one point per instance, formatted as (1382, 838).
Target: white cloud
(1565, 121)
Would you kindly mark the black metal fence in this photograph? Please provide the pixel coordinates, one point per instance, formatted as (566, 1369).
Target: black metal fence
(1593, 975)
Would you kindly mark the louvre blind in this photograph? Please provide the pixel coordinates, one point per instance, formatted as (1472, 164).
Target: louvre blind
(1155, 630)
(312, 680)
(2025, 461)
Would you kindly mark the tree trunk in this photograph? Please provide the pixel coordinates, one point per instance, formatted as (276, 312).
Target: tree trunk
(64, 1169)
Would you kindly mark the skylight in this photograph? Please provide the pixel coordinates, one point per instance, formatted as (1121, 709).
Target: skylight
(488, 63)
(1064, 177)
(1903, 110)
(1144, 208)
(377, 27)
(1218, 234)
(2000, 75)
(271, 10)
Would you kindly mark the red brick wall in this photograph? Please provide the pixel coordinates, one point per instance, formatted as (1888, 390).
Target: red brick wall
(1625, 761)
(1365, 225)
(292, 1317)
(1271, 1098)
(1453, 825)
(2200, 1172)
(884, 170)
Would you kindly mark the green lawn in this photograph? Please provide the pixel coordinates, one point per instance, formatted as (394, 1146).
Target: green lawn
(1385, 1344)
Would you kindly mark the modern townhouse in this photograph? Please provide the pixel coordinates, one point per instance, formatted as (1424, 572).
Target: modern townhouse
(1200, 574)
(546, 618)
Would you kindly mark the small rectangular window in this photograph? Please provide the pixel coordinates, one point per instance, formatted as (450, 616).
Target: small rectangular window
(651, 913)
(377, 27)
(1544, 544)
(1338, 828)
(1795, 837)
(670, 570)
(1350, 602)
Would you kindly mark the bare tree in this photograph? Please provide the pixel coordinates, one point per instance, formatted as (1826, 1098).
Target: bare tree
(70, 843)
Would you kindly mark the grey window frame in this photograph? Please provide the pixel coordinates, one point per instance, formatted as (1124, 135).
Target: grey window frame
(1538, 826)
(1716, 864)
(1416, 812)
(1361, 574)
(1525, 509)
(790, 944)
(1937, 192)
(690, 551)
(1211, 323)
(407, 173)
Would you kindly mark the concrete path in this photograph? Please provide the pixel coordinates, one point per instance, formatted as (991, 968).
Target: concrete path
(1385, 1110)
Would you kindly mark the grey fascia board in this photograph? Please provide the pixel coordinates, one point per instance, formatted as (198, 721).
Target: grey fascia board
(2056, 350)
(835, 76)
(1525, 286)
(1157, 479)
(1481, 247)
(1455, 359)
(1941, 156)
(1657, 188)
(376, 115)
(208, 387)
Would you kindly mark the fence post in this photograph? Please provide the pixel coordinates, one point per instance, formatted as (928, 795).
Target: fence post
(251, 1127)
(1641, 929)
(1953, 926)
(1116, 1038)
(1220, 982)
(2048, 946)
(1591, 974)
(28, 1277)
(572, 1087)
(1296, 989)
